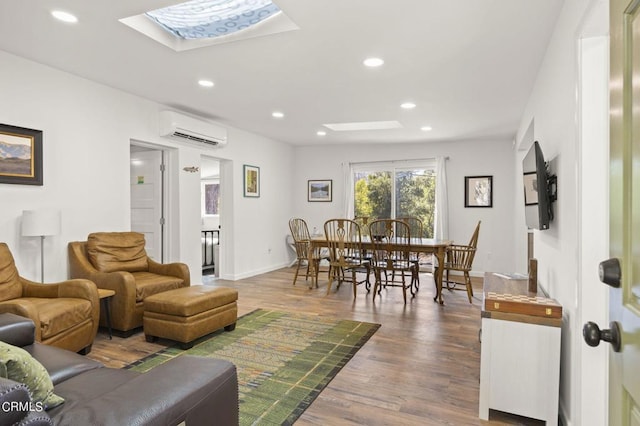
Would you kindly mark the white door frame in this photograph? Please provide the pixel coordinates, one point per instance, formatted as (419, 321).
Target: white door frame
(170, 210)
(589, 381)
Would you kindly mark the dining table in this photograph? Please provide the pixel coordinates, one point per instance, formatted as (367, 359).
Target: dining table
(433, 246)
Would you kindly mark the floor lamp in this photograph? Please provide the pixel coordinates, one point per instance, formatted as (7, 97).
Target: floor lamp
(40, 223)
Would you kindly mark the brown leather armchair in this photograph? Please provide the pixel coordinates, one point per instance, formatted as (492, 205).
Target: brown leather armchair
(65, 314)
(118, 261)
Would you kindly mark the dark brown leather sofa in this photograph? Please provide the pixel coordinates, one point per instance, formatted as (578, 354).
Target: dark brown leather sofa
(118, 261)
(194, 390)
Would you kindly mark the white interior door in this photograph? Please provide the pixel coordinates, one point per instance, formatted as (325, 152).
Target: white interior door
(146, 199)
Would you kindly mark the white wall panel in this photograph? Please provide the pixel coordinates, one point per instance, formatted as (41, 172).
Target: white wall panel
(466, 158)
(87, 132)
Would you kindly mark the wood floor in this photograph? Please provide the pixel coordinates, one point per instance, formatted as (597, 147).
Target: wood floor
(422, 367)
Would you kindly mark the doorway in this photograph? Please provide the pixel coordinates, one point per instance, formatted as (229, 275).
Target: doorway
(210, 211)
(147, 189)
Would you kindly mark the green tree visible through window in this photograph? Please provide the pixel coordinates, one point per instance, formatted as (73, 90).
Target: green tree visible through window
(413, 195)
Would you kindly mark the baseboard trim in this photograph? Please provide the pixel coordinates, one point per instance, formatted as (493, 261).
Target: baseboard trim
(248, 274)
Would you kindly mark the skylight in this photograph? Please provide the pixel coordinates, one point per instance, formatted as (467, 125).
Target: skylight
(200, 23)
(202, 19)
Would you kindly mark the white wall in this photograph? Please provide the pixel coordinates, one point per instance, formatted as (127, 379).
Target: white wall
(554, 109)
(466, 158)
(87, 129)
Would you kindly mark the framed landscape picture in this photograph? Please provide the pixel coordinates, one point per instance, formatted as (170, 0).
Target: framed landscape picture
(320, 190)
(478, 191)
(20, 155)
(251, 181)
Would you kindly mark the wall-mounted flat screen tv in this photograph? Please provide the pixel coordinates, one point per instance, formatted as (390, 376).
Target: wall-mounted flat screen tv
(537, 189)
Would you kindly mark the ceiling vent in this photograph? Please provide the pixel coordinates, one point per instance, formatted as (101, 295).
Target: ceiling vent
(181, 127)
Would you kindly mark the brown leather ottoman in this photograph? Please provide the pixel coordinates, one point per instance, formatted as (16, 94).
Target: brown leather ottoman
(187, 313)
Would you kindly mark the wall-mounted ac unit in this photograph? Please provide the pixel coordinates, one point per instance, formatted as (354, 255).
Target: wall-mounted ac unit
(182, 127)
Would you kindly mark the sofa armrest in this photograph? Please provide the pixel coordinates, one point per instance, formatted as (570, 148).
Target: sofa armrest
(79, 288)
(34, 289)
(176, 269)
(37, 418)
(192, 389)
(16, 330)
(22, 308)
(16, 406)
(74, 288)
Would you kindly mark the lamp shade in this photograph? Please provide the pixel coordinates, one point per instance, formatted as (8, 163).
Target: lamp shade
(37, 223)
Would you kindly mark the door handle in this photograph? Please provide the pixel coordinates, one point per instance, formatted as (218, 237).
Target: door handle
(610, 272)
(593, 335)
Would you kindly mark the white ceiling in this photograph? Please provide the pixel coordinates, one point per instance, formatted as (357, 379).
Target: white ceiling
(469, 65)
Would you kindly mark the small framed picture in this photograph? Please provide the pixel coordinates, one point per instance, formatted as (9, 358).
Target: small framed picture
(20, 155)
(530, 189)
(320, 190)
(478, 191)
(251, 181)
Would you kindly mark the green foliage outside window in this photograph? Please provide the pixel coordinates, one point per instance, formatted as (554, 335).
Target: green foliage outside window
(414, 195)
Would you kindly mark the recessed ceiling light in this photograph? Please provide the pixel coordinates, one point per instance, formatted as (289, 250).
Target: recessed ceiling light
(64, 16)
(373, 62)
(205, 83)
(408, 105)
(277, 114)
(321, 133)
(426, 128)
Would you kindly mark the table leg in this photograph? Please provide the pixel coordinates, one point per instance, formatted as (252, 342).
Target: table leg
(107, 312)
(312, 267)
(439, 275)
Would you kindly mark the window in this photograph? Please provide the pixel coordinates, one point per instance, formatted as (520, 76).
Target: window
(395, 190)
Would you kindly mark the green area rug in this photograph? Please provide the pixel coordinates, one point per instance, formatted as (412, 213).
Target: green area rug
(284, 360)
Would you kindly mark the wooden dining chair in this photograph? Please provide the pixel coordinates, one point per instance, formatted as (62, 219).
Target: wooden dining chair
(416, 231)
(415, 226)
(305, 253)
(460, 258)
(346, 257)
(364, 222)
(391, 241)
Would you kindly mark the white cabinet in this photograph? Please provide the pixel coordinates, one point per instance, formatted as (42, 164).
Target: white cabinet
(520, 365)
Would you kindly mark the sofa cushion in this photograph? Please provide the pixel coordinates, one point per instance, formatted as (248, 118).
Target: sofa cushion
(60, 363)
(90, 385)
(58, 314)
(117, 251)
(16, 364)
(148, 284)
(10, 286)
